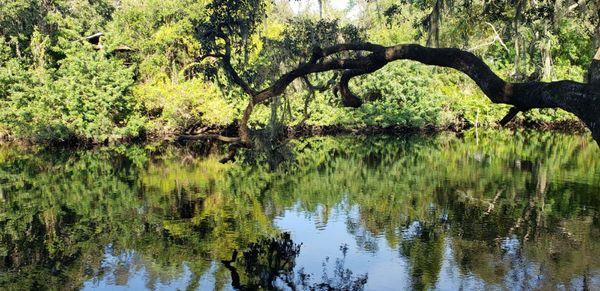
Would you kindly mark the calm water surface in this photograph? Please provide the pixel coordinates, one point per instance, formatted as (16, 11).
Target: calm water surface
(499, 211)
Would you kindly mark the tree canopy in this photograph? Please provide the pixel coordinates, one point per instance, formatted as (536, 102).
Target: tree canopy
(191, 67)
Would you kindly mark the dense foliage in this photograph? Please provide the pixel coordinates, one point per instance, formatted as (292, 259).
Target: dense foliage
(98, 71)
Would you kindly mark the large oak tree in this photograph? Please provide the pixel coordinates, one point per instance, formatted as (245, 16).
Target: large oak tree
(581, 99)
(225, 31)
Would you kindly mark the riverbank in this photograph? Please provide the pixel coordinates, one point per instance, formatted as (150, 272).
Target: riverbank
(564, 126)
(306, 130)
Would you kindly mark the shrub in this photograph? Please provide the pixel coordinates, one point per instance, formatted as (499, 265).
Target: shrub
(176, 107)
(87, 98)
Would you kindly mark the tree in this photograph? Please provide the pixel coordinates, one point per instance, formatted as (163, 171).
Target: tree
(225, 38)
(580, 99)
(230, 52)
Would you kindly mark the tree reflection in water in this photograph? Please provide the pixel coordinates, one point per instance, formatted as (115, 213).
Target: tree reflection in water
(269, 263)
(514, 210)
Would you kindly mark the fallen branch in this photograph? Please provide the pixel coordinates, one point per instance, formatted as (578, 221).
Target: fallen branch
(218, 137)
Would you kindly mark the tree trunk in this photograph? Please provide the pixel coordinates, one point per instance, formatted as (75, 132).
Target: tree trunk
(594, 72)
(433, 36)
(594, 83)
(244, 130)
(321, 8)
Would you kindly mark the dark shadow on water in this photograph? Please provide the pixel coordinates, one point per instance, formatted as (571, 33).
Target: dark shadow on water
(269, 264)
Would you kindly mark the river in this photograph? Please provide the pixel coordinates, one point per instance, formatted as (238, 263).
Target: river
(492, 210)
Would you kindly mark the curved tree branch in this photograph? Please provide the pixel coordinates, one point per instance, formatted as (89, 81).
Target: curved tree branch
(319, 53)
(280, 85)
(322, 87)
(235, 78)
(349, 99)
(311, 93)
(580, 99)
(231, 72)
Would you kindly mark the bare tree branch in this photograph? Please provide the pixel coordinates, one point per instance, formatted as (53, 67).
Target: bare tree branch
(495, 39)
(208, 137)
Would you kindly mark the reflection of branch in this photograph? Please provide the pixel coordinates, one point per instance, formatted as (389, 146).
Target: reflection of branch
(235, 276)
(232, 151)
(526, 213)
(235, 143)
(532, 215)
(492, 204)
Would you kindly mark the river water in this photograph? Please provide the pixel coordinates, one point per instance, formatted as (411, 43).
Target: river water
(493, 210)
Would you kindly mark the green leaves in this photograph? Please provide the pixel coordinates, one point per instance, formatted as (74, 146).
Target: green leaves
(58, 87)
(183, 105)
(86, 98)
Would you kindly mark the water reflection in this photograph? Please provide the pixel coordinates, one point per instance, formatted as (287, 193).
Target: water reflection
(515, 210)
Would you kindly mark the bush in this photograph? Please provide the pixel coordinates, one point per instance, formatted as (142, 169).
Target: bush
(176, 107)
(87, 98)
